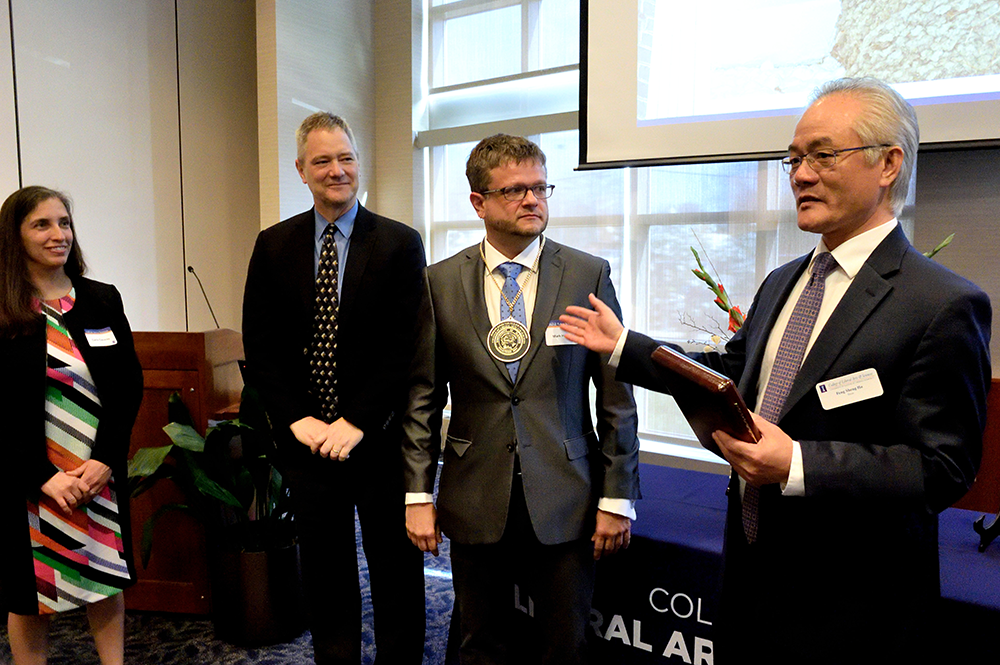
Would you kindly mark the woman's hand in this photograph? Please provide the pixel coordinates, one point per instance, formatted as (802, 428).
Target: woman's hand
(95, 474)
(67, 491)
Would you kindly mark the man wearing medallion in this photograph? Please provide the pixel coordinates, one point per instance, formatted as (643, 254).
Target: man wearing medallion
(530, 490)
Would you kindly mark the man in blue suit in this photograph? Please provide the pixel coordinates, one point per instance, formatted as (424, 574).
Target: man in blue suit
(328, 327)
(831, 537)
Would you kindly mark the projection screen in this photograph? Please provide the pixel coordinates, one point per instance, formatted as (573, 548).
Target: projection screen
(672, 81)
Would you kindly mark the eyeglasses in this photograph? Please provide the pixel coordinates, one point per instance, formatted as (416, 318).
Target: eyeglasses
(519, 192)
(821, 159)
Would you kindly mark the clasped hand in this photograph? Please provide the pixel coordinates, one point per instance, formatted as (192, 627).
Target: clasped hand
(334, 441)
(78, 486)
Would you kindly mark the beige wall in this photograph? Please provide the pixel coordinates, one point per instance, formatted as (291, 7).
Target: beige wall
(149, 124)
(354, 59)
(315, 56)
(219, 153)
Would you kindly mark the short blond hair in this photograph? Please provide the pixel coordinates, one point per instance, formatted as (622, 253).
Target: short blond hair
(321, 120)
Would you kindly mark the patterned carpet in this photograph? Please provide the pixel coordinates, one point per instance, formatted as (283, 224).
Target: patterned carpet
(170, 639)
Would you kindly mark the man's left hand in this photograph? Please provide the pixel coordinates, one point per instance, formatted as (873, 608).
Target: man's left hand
(613, 533)
(763, 463)
(341, 438)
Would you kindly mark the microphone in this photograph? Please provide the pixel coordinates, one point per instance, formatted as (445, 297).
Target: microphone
(204, 295)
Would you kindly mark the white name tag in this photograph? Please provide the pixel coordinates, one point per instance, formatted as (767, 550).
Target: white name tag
(556, 336)
(102, 337)
(849, 389)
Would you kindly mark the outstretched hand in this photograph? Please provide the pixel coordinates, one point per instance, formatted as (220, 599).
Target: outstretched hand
(597, 329)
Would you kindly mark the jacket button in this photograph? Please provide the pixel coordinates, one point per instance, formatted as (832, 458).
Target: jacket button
(511, 447)
(515, 401)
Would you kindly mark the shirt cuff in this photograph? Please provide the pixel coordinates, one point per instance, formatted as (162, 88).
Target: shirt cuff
(796, 484)
(623, 507)
(419, 497)
(616, 355)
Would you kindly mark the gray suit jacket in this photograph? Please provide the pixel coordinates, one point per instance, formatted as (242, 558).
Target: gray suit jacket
(545, 417)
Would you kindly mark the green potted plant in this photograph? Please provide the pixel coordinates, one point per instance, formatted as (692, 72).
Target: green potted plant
(230, 484)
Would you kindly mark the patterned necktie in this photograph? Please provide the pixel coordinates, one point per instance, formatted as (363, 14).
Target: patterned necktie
(510, 271)
(786, 365)
(323, 352)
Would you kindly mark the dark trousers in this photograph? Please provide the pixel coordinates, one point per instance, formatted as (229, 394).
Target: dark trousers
(775, 607)
(324, 498)
(554, 582)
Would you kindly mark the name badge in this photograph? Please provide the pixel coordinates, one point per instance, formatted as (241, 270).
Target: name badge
(556, 336)
(101, 337)
(849, 389)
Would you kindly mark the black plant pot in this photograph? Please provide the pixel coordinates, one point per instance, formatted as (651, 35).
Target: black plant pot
(257, 596)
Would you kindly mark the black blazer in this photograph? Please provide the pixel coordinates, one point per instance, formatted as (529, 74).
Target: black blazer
(118, 378)
(375, 339)
(115, 370)
(878, 471)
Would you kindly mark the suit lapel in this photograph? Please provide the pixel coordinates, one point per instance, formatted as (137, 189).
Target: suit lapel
(472, 272)
(302, 272)
(363, 239)
(867, 291)
(550, 272)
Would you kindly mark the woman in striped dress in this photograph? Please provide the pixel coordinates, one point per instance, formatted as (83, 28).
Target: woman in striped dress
(70, 388)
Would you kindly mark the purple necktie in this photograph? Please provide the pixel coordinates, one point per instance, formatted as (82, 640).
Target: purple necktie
(786, 365)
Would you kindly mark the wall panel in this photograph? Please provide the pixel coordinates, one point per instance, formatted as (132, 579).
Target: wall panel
(96, 95)
(8, 134)
(218, 94)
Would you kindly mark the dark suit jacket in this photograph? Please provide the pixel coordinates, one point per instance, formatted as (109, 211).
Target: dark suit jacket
(566, 465)
(878, 471)
(118, 378)
(381, 289)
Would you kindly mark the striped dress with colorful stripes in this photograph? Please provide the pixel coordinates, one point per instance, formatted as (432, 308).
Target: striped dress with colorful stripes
(78, 558)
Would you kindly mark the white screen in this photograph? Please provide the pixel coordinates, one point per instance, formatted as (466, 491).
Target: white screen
(673, 81)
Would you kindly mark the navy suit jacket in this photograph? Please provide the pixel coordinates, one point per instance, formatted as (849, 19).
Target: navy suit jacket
(375, 339)
(877, 471)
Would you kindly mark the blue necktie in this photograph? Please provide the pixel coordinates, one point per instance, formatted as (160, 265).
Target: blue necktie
(791, 351)
(510, 271)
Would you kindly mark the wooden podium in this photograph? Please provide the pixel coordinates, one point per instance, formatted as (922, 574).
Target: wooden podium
(203, 368)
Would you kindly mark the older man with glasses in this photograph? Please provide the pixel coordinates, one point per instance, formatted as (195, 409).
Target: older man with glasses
(867, 365)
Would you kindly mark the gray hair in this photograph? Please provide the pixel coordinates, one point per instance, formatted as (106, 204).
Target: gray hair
(887, 118)
(321, 120)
